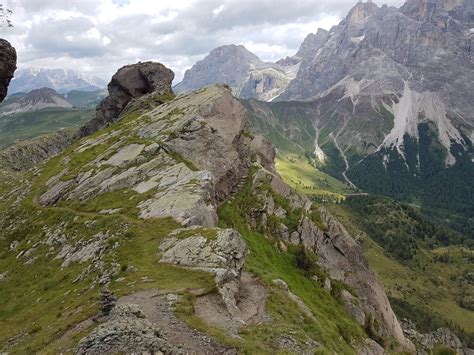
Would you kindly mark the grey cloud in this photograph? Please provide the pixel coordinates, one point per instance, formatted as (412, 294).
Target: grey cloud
(65, 37)
(35, 6)
(179, 42)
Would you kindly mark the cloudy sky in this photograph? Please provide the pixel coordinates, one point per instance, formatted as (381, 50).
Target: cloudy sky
(99, 36)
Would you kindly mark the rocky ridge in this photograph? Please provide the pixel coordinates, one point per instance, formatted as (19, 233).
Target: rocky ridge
(426, 343)
(28, 154)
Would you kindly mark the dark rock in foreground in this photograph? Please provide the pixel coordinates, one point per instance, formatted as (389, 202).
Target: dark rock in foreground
(130, 81)
(7, 66)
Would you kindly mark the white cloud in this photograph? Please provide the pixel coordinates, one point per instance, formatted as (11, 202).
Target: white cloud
(218, 10)
(99, 36)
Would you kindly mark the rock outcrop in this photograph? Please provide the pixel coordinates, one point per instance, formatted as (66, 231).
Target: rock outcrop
(193, 151)
(338, 254)
(223, 254)
(130, 81)
(426, 343)
(7, 66)
(127, 331)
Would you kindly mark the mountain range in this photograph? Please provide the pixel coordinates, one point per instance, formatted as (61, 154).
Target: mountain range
(243, 71)
(373, 100)
(61, 80)
(244, 215)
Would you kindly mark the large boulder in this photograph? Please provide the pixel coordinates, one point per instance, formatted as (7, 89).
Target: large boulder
(7, 66)
(130, 81)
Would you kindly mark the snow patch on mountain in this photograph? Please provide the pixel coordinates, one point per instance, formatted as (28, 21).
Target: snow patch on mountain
(414, 108)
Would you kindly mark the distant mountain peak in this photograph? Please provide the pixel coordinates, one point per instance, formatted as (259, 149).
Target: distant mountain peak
(35, 100)
(233, 49)
(243, 71)
(61, 80)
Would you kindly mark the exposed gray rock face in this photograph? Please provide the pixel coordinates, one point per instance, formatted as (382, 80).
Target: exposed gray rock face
(192, 154)
(130, 81)
(426, 343)
(242, 70)
(7, 66)
(264, 151)
(345, 261)
(83, 251)
(33, 101)
(224, 255)
(338, 254)
(405, 62)
(127, 331)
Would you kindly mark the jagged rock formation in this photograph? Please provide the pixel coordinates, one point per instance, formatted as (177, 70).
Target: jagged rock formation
(35, 100)
(406, 62)
(7, 66)
(373, 102)
(426, 343)
(242, 70)
(129, 82)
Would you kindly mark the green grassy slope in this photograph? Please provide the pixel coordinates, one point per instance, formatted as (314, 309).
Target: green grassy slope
(297, 171)
(25, 126)
(426, 269)
(85, 99)
(43, 301)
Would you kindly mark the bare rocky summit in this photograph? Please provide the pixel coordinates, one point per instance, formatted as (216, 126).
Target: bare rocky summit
(7, 66)
(243, 71)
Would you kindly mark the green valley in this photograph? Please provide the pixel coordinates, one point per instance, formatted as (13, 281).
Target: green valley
(28, 125)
